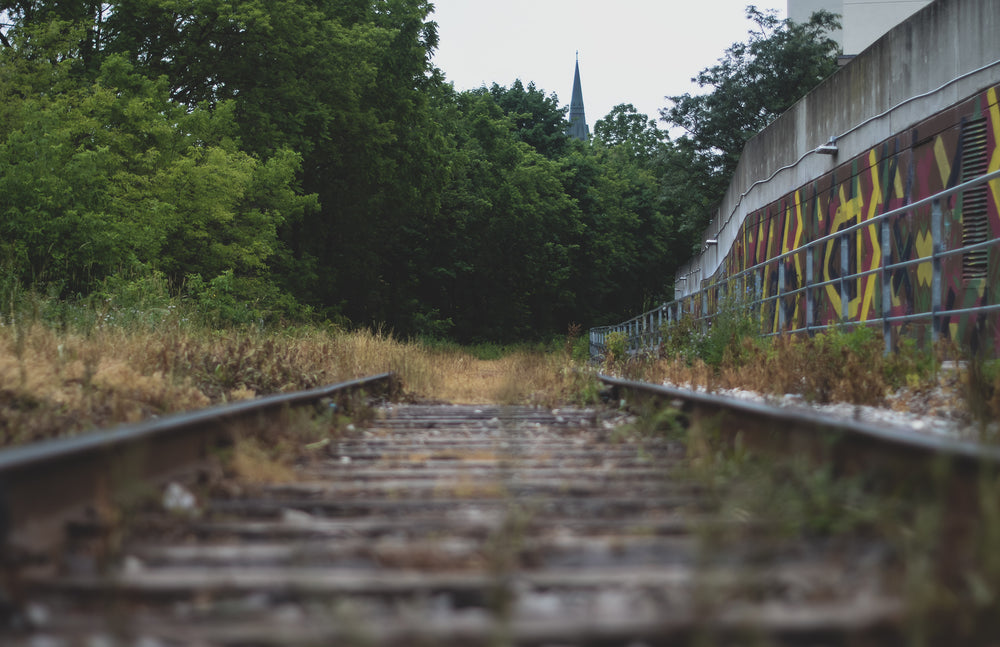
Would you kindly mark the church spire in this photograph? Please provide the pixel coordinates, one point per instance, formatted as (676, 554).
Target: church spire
(577, 119)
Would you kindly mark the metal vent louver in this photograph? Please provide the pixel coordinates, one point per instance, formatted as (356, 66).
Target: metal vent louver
(975, 223)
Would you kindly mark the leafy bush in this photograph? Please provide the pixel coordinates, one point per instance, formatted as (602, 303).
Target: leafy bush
(580, 351)
(614, 345)
(683, 339)
(733, 323)
(839, 365)
(139, 296)
(909, 365)
(690, 339)
(228, 300)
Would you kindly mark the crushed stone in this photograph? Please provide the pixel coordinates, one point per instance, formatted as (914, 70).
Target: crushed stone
(938, 410)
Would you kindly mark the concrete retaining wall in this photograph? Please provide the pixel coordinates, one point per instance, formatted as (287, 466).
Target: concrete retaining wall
(943, 54)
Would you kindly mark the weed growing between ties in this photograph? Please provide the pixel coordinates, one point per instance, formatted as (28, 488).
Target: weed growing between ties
(269, 451)
(981, 387)
(926, 536)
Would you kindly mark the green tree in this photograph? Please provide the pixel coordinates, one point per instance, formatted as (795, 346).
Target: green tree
(754, 82)
(343, 83)
(504, 244)
(251, 146)
(538, 119)
(626, 246)
(99, 176)
(688, 192)
(631, 132)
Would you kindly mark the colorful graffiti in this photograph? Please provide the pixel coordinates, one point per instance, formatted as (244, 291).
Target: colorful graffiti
(810, 285)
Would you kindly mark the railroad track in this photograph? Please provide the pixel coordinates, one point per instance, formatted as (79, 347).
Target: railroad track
(460, 525)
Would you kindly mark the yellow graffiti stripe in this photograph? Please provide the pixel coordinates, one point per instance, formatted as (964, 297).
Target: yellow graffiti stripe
(831, 290)
(867, 295)
(761, 243)
(925, 246)
(847, 210)
(799, 226)
(796, 243)
(995, 159)
(943, 163)
(770, 268)
(979, 287)
(760, 240)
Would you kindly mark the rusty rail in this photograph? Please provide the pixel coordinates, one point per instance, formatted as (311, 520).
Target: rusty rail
(516, 525)
(920, 461)
(43, 486)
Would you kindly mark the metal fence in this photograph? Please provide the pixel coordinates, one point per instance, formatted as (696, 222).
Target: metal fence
(645, 332)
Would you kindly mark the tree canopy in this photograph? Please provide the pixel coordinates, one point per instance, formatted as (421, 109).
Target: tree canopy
(282, 157)
(753, 83)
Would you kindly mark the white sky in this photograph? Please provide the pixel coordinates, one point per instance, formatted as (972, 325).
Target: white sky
(631, 51)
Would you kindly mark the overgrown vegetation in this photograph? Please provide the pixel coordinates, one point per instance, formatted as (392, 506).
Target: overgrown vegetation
(982, 393)
(134, 351)
(926, 536)
(293, 160)
(843, 364)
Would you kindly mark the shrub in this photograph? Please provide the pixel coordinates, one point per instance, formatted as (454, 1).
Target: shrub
(228, 300)
(682, 339)
(909, 365)
(580, 351)
(615, 345)
(691, 339)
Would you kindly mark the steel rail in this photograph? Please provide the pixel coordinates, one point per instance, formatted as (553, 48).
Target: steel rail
(481, 553)
(45, 485)
(845, 442)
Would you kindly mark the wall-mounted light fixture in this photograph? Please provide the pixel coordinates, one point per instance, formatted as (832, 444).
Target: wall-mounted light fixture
(829, 148)
(711, 241)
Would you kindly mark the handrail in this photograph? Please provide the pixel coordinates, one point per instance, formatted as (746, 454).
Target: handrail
(643, 331)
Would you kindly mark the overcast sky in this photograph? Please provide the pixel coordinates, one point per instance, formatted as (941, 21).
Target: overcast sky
(631, 51)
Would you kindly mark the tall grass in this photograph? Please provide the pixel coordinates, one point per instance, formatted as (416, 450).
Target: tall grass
(134, 351)
(842, 364)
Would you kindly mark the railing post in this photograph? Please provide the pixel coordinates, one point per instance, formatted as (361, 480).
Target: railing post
(884, 242)
(777, 300)
(659, 326)
(758, 295)
(936, 217)
(810, 308)
(845, 308)
(704, 310)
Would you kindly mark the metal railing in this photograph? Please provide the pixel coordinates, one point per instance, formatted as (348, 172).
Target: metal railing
(645, 332)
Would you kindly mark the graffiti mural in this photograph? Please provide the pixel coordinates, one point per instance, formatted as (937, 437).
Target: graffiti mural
(810, 287)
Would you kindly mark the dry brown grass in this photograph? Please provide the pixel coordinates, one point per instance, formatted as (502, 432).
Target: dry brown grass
(834, 367)
(58, 383)
(521, 377)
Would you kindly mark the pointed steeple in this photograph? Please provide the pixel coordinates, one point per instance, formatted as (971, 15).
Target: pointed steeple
(578, 127)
